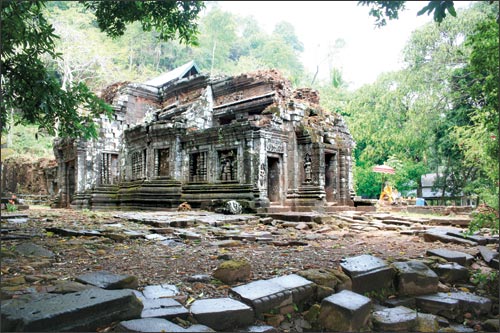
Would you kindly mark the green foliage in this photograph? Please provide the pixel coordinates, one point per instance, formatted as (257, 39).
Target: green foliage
(170, 19)
(29, 87)
(11, 207)
(383, 10)
(486, 281)
(44, 95)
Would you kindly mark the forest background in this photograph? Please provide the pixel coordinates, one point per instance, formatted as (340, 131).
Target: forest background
(437, 114)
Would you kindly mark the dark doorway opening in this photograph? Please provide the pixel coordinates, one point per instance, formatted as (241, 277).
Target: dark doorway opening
(273, 179)
(330, 177)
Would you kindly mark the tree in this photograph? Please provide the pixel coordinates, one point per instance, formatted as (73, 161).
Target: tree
(383, 10)
(34, 93)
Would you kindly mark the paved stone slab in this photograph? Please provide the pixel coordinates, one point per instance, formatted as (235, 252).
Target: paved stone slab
(398, 319)
(148, 325)
(167, 308)
(30, 249)
(345, 311)
(438, 305)
(108, 280)
(461, 258)
(222, 313)
(160, 291)
(263, 295)
(452, 272)
(415, 278)
(80, 311)
(368, 273)
(302, 289)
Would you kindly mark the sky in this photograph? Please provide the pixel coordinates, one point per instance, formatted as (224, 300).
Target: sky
(368, 51)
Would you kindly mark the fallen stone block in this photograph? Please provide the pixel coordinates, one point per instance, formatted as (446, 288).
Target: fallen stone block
(426, 322)
(167, 308)
(415, 278)
(263, 295)
(345, 311)
(408, 302)
(470, 302)
(108, 280)
(81, 311)
(231, 271)
(398, 319)
(368, 273)
(160, 291)
(302, 289)
(438, 305)
(148, 325)
(222, 313)
(258, 329)
(460, 258)
(489, 256)
(439, 234)
(452, 272)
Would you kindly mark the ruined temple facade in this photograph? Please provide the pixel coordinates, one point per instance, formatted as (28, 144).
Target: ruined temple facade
(188, 137)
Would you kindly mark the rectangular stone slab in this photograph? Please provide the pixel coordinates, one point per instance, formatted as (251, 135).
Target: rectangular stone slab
(302, 289)
(222, 313)
(81, 311)
(345, 311)
(368, 273)
(460, 258)
(438, 305)
(263, 295)
(469, 302)
(167, 308)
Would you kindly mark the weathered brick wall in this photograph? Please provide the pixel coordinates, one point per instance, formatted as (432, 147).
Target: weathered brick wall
(24, 176)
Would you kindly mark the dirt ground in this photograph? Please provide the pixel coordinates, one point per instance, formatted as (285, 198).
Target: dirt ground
(151, 262)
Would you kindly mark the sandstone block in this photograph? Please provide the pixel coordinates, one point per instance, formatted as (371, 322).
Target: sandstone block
(345, 311)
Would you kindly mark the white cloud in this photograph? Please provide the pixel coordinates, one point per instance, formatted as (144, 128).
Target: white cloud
(368, 52)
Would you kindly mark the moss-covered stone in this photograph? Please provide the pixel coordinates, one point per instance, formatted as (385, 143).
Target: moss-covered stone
(231, 271)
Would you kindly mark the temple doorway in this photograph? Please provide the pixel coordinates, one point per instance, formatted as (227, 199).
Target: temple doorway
(330, 177)
(273, 179)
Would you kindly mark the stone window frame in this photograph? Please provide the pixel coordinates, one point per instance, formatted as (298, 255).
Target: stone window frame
(138, 164)
(201, 174)
(105, 167)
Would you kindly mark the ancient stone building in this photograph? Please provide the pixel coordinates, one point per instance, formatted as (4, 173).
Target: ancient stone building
(188, 137)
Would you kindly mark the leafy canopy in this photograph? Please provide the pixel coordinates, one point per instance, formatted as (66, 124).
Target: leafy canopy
(383, 10)
(34, 94)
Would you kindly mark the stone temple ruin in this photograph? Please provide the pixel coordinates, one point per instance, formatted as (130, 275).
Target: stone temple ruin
(188, 137)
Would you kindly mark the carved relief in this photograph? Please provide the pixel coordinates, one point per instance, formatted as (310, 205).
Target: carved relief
(262, 175)
(307, 169)
(275, 146)
(228, 165)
